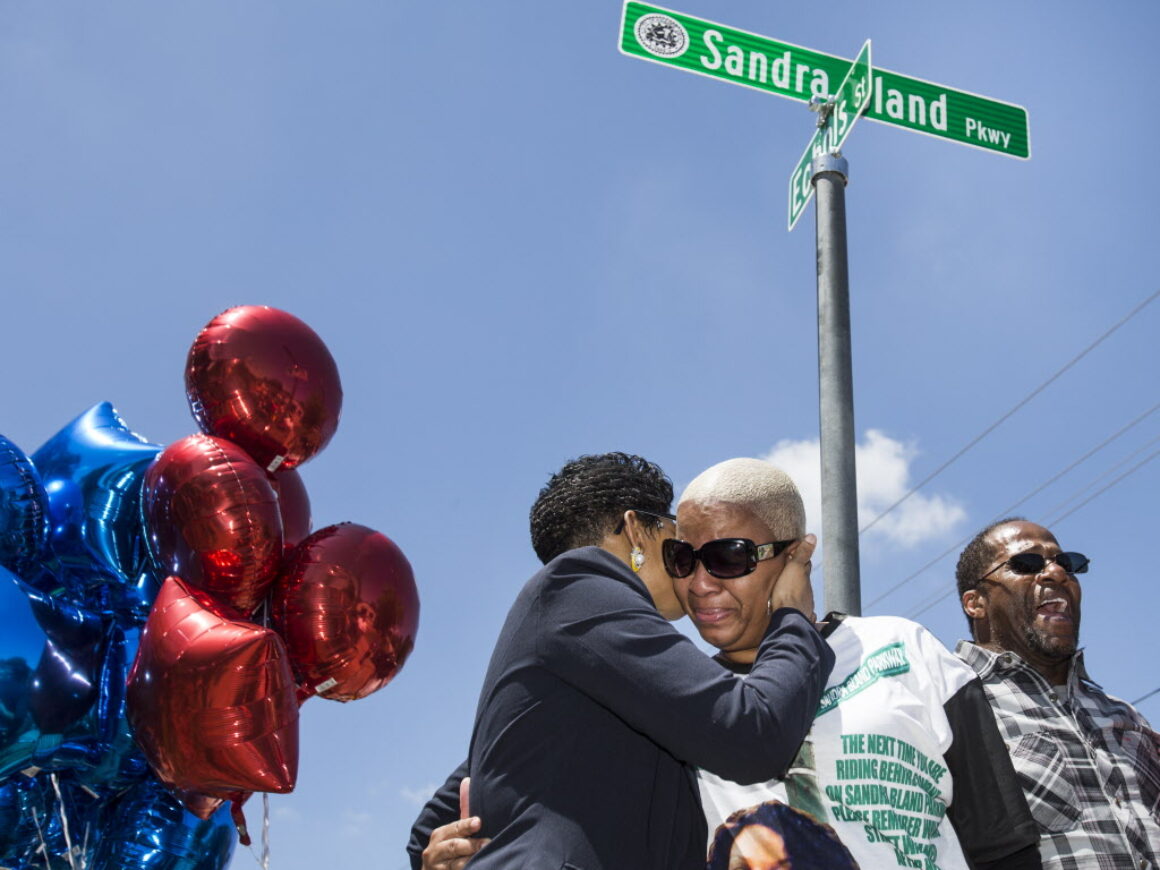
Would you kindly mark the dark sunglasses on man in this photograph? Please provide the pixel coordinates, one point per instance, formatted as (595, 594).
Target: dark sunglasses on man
(724, 558)
(1028, 564)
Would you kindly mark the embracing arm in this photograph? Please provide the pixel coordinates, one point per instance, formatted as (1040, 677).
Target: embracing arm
(604, 638)
(988, 810)
(442, 809)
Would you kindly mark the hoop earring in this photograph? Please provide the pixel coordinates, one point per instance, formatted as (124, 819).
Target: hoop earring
(769, 607)
(637, 559)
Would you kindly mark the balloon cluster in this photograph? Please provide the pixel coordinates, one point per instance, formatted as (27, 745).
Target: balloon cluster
(165, 612)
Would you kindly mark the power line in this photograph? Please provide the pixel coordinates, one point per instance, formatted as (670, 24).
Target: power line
(914, 614)
(1007, 415)
(1007, 510)
(1011, 507)
(1146, 697)
(1107, 473)
(1105, 488)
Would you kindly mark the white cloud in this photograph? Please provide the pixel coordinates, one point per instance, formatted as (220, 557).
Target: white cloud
(419, 796)
(357, 822)
(883, 472)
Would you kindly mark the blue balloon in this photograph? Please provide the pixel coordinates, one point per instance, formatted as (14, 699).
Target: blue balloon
(23, 510)
(141, 828)
(92, 471)
(120, 762)
(51, 817)
(21, 644)
(21, 810)
(148, 829)
(11, 812)
(70, 617)
(62, 689)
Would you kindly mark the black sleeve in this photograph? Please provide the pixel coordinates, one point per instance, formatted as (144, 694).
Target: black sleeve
(1026, 858)
(442, 809)
(988, 810)
(617, 649)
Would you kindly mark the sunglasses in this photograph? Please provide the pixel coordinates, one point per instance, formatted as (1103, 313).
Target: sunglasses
(724, 558)
(1027, 564)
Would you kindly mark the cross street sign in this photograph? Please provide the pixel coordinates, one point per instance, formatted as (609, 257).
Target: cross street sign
(833, 128)
(695, 45)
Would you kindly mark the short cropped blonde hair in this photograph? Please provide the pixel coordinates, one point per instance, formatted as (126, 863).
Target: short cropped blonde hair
(761, 488)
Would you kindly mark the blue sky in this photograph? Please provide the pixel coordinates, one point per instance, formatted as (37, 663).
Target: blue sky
(521, 245)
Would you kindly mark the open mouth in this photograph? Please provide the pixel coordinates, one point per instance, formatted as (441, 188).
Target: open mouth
(1055, 609)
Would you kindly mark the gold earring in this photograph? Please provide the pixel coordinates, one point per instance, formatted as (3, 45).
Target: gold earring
(637, 558)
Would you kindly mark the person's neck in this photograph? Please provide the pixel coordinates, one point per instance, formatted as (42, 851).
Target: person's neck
(1054, 670)
(741, 657)
(749, 656)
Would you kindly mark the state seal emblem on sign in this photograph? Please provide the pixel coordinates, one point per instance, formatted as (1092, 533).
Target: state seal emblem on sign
(661, 35)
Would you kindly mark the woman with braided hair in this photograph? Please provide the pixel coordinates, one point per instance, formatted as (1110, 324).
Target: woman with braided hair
(593, 707)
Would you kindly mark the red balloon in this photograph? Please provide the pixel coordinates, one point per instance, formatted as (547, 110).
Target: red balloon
(293, 504)
(202, 805)
(211, 701)
(213, 519)
(347, 607)
(263, 379)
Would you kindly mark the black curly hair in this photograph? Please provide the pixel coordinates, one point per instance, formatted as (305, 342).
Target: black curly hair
(808, 843)
(584, 500)
(975, 558)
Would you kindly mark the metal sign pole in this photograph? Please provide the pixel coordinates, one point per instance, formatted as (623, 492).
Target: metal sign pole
(707, 48)
(836, 391)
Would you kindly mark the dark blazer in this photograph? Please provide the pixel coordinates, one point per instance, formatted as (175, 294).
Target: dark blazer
(592, 707)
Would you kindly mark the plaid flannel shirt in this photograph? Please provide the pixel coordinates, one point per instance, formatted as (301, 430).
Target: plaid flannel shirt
(1089, 764)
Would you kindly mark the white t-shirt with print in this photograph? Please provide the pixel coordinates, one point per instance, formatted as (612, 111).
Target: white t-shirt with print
(878, 775)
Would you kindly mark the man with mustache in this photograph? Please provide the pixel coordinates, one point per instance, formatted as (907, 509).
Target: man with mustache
(1089, 763)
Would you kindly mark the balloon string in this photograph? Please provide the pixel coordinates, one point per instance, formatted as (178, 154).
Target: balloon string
(262, 618)
(265, 831)
(63, 821)
(263, 859)
(40, 834)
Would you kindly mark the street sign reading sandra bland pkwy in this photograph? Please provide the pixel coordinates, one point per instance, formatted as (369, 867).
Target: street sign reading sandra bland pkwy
(833, 128)
(710, 49)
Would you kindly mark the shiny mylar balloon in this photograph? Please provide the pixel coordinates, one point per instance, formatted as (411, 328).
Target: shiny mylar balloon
(347, 606)
(148, 829)
(263, 379)
(30, 831)
(11, 813)
(92, 473)
(120, 762)
(212, 518)
(212, 699)
(56, 822)
(205, 805)
(293, 504)
(23, 510)
(66, 682)
(21, 642)
(62, 706)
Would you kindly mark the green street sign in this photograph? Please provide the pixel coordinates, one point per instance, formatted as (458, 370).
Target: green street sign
(704, 47)
(834, 125)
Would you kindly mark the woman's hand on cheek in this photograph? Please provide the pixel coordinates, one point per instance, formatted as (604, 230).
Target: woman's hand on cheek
(792, 586)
